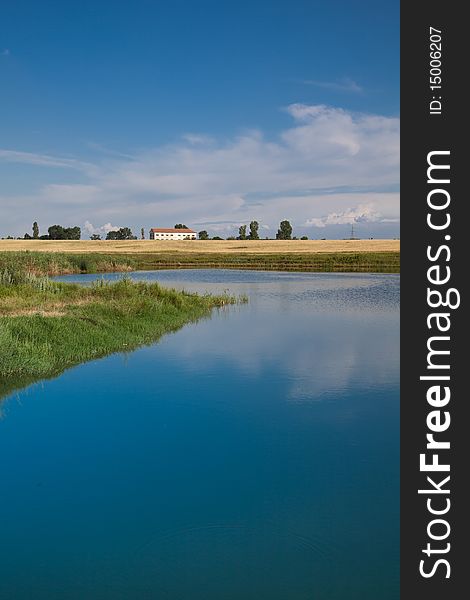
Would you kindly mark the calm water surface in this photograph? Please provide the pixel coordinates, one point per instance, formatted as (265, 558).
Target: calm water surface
(250, 456)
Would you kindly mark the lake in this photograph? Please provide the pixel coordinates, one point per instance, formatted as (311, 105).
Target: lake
(251, 455)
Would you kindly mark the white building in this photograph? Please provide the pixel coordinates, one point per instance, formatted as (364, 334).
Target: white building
(172, 234)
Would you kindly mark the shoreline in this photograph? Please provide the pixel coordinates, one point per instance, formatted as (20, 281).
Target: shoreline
(48, 326)
(60, 263)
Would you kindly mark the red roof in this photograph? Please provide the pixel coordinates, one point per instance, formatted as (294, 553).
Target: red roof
(171, 230)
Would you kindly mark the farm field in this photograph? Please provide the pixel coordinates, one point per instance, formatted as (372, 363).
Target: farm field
(203, 246)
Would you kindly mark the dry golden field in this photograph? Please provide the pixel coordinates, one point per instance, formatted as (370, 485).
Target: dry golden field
(206, 247)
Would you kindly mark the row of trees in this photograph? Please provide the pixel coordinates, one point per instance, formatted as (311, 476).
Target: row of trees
(57, 232)
(124, 233)
(253, 235)
(283, 233)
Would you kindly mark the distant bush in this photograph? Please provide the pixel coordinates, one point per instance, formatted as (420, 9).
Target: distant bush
(124, 233)
(57, 232)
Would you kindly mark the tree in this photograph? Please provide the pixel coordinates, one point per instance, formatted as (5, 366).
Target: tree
(231, 238)
(285, 231)
(202, 235)
(142, 234)
(73, 233)
(127, 234)
(57, 232)
(216, 237)
(242, 232)
(27, 236)
(95, 237)
(304, 237)
(124, 233)
(35, 231)
(254, 226)
(181, 226)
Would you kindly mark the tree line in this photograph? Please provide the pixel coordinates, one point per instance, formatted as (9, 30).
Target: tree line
(283, 233)
(55, 232)
(58, 232)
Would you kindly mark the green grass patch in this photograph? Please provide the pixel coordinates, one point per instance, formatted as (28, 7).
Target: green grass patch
(317, 262)
(47, 326)
(57, 263)
(43, 263)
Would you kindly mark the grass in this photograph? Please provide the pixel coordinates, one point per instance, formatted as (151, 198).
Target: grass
(325, 262)
(54, 263)
(48, 326)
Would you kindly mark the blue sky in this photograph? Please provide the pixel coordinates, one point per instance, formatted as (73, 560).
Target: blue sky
(148, 113)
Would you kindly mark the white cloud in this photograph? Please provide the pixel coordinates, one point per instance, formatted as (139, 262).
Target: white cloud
(44, 160)
(364, 213)
(195, 138)
(103, 230)
(326, 162)
(342, 85)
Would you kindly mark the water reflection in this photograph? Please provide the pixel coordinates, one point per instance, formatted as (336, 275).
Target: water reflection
(251, 455)
(323, 332)
(320, 334)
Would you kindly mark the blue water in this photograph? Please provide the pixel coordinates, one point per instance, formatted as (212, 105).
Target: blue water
(250, 456)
